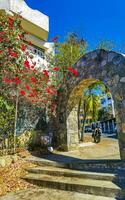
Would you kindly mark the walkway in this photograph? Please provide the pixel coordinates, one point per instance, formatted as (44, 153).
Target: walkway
(88, 151)
(51, 194)
(107, 149)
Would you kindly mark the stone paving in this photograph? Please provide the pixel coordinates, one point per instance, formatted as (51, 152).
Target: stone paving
(50, 194)
(106, 149)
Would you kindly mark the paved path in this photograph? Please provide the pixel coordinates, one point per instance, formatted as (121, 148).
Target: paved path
(50, 194)
(108, 148)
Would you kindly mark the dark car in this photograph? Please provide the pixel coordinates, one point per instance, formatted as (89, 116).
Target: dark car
(87, 129)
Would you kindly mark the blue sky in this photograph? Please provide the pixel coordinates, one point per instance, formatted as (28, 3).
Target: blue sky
(95, 20)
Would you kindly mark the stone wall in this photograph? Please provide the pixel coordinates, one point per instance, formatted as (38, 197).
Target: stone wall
(30, 125)
(106, 66)
(29, 139)
(28, 117)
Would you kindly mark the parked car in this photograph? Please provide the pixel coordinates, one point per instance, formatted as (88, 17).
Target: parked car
(88, 128)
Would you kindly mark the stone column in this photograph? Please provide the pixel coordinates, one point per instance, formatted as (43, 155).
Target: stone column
(121, 136)
(121, 129)
(72, 129)
(58, 122)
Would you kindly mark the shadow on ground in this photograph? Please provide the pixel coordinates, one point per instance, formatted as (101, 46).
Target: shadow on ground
(117, 167)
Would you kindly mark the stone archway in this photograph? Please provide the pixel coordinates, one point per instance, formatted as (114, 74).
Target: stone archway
(106, 66)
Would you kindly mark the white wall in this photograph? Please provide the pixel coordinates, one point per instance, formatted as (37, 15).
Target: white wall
(19, 6)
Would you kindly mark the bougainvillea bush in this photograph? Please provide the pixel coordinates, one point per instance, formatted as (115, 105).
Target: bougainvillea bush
(17, 70)
(20, 78)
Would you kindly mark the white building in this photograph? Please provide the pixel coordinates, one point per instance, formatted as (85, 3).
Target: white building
(36, 24)
(107, 102)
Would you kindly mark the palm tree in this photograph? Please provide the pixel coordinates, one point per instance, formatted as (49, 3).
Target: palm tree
(90, 103)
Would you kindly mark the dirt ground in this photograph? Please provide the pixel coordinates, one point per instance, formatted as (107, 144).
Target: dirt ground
(11, 176)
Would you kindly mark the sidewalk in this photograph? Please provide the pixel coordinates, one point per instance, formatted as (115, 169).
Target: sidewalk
(51, 194)
(108, 148)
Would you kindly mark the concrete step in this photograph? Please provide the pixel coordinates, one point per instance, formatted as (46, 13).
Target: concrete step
(47, 162)
(51, 194)
(54, 171)
(108, 166)
(86, 186)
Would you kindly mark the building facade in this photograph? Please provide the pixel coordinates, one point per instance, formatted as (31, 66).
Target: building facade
(108, 125)
(36, 24)
(107, 103)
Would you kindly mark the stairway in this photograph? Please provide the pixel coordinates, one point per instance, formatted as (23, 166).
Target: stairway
(51, 174)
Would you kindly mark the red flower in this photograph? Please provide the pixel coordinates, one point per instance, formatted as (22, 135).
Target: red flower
(21, 36)
(13, 54)
(17, 80)
(73, 71)
(3, 33)
(11, 21)
(56, 69)
(34, 92)
(33, 79)
(70, 69)
(7, 80)
(30, 43)
(45, 72)
(31, 94)
(27, 87)
(1, 51)
(27, 64)
(22, 92)
(23, 47)
(50, 91)
(1, 39)
(54, 39)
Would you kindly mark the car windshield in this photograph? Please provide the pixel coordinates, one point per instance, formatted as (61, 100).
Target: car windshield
(87, 126)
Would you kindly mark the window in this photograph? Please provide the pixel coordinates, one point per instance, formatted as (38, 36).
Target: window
(36, 51)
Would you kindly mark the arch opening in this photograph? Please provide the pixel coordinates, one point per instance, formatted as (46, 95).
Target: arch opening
(91, 102)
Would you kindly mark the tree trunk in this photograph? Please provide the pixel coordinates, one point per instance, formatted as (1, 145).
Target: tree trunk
(71, 53)
(83, 123)
(93, 108)
(79, 121)
(15, 122)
